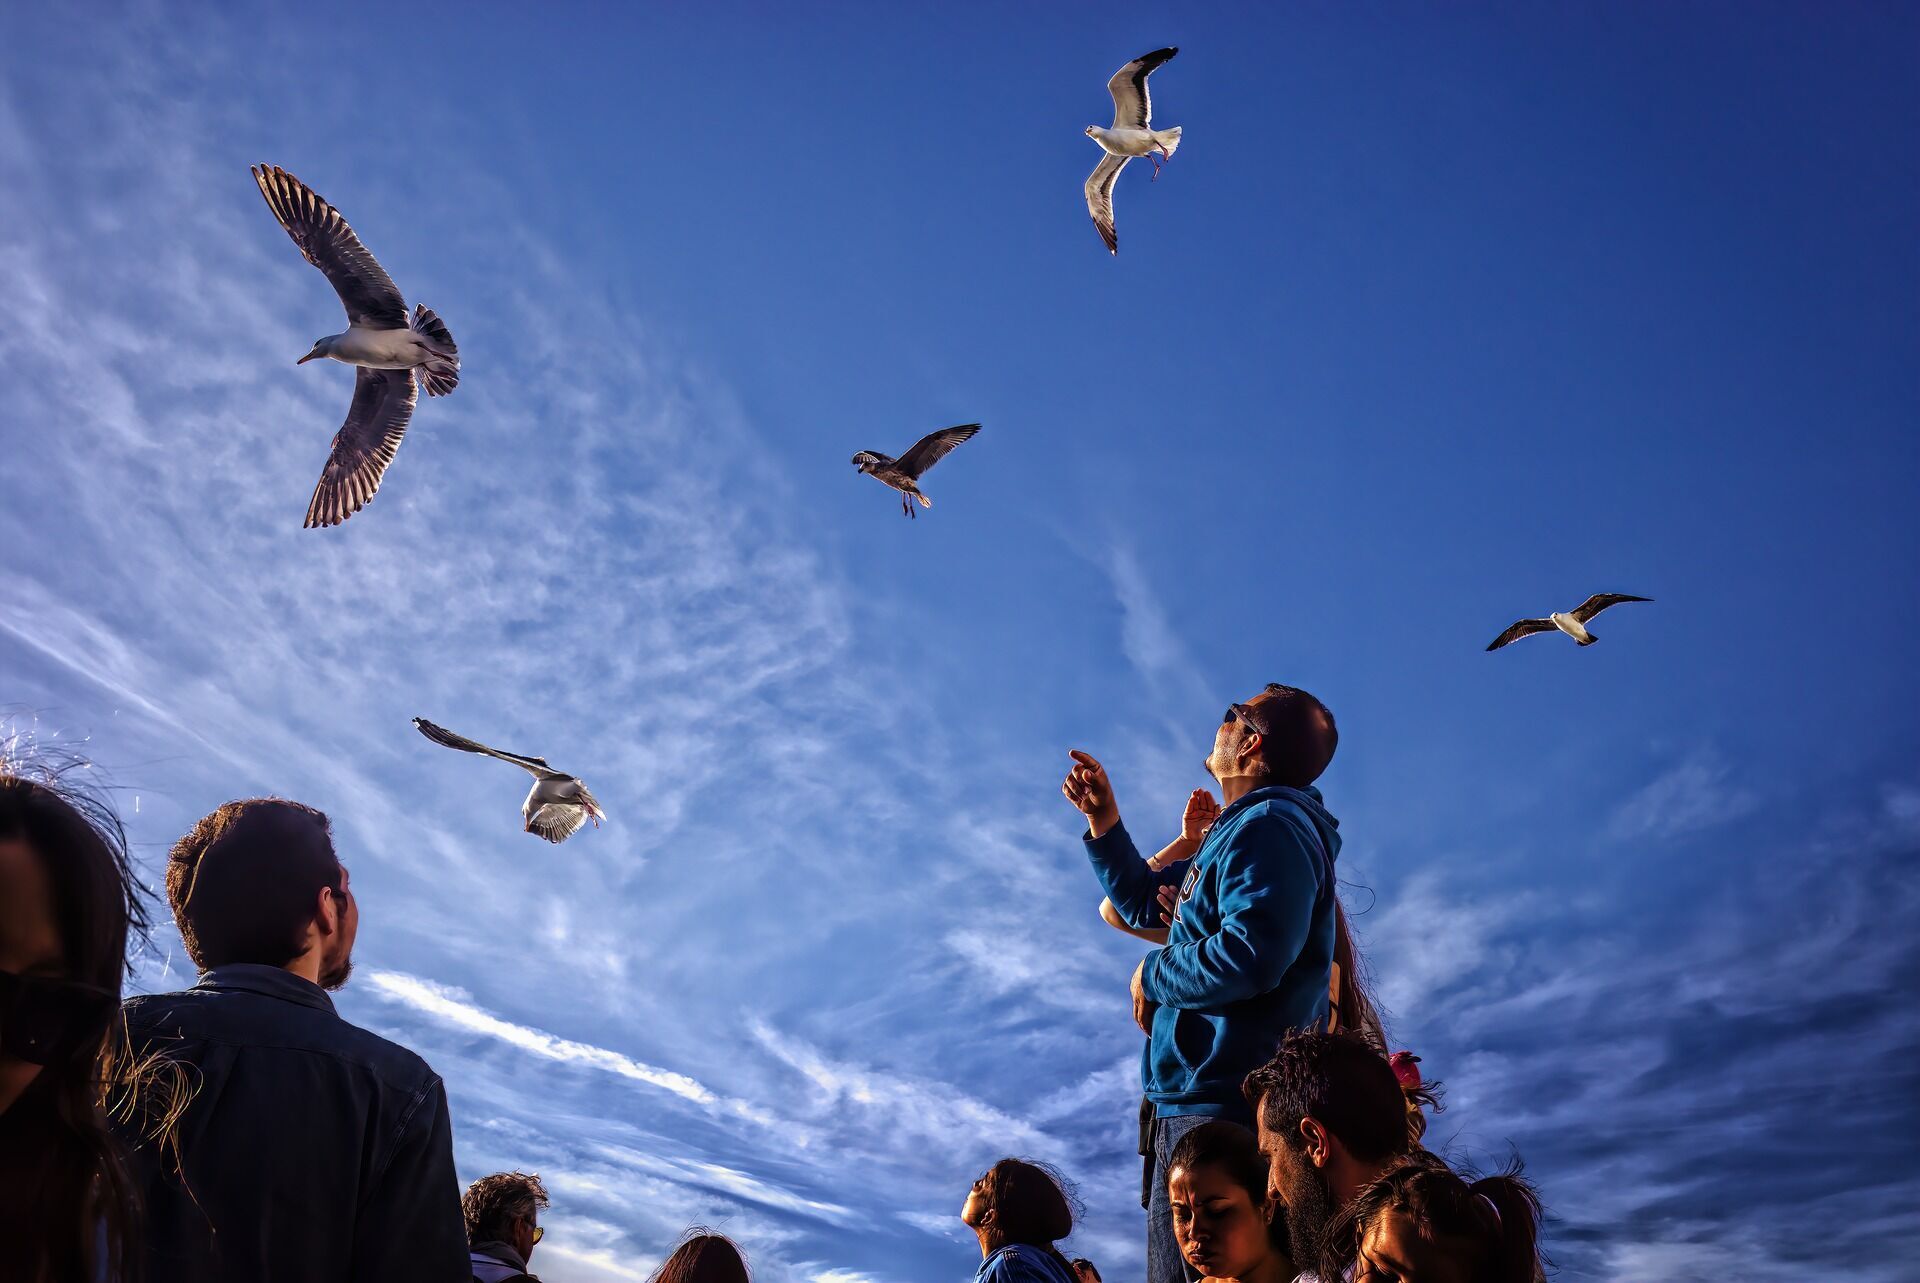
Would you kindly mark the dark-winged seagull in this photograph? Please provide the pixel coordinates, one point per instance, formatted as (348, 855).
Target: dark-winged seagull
(903, 472)
(559, 803)
(1573, 623)
(389, 349)
(1132, 135)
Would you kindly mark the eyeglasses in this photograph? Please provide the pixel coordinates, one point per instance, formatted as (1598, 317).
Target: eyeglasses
(1243, 713)
(43, 1020)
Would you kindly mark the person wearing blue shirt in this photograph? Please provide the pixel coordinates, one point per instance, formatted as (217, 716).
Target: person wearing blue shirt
(1019, 1211)
(1249, 951)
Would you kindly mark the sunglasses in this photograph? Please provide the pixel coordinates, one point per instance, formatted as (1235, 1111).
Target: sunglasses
(539, 1232)
(1242, 713)
(43, 1021)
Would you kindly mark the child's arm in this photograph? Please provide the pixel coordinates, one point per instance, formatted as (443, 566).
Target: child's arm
(1200, 814)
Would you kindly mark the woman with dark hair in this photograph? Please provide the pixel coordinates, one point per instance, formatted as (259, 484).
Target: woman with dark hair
(67, 899)
(1222, 1219)
(1020, 1209)
(1422, 1223)
(703, 1257)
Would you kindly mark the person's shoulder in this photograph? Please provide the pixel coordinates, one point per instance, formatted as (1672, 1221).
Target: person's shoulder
(400, 1066)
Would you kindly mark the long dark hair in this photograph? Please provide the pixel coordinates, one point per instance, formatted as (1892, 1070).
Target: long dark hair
(67, 1187)
(1032, 1206)
(1496, 1218)
(703, 1257)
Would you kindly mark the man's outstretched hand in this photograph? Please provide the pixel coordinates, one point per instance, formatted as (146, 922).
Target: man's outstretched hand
(1088, 788)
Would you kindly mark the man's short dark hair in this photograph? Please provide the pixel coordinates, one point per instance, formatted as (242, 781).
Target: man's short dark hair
(1297, 735)
(493, 1204)
(1340, 1082)
(244, 881)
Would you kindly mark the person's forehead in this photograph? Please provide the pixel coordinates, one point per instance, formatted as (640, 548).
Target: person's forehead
(1394, 1241)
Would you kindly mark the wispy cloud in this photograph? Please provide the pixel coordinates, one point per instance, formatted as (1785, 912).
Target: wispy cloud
(1697, 793)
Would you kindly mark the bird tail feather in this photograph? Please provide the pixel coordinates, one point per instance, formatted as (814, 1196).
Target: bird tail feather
(924, 501)
(1169, 140)
(437, 377)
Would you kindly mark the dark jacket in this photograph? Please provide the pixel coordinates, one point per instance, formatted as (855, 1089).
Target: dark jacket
(311, 1151)
(1250, 950)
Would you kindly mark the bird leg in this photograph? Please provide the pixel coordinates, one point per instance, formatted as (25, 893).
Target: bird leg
(1157, 162)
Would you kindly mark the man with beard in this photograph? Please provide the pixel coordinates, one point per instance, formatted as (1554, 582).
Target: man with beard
(308, 1150)
(1331, 1117)
(1249, 950)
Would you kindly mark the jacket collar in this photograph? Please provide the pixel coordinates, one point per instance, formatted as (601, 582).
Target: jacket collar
(495, 1250)
(1267, 794)
(273, 982)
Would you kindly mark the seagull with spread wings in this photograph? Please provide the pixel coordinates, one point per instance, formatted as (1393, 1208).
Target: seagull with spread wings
(1132, 135)
(903, 473)
(559, 803)
(396, 355)
(1573, 623)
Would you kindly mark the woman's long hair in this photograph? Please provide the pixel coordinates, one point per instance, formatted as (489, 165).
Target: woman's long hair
(1495, 1220)
(1032, 1206)
(703, 1257)
(67, 1187)
(1356, 1012)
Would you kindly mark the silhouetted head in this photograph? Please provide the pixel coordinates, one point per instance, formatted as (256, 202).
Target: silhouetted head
(703, 1257)
(1018, 1201)
(321, 347)
(257, 881)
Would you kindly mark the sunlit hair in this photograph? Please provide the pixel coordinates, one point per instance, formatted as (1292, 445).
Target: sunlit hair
(492, 1204)
(1493, 1224)
(703, 1257)
(67, 1189)
(1298, 736)
(1340, 1081)
(1032, 1204)
(1083, 1267)
(1233, 1151)
(244, 881)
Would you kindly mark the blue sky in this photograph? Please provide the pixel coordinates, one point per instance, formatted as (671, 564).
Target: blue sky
(1439, 318)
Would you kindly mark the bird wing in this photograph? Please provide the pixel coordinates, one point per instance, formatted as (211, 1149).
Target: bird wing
(558, 821)
(365, 444)
(369, 294)
(1600, 601)
(1100, 197)
(933, 447)
(1525, 628)
(1132, 107)
(447, 739)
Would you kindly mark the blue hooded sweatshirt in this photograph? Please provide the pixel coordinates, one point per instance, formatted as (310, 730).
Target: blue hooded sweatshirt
(1249, 953)
(1022, 1263)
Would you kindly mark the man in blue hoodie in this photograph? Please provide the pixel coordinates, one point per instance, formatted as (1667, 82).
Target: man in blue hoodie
(1250, 949)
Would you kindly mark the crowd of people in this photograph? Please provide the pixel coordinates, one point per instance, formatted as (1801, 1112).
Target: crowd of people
(242, 1130)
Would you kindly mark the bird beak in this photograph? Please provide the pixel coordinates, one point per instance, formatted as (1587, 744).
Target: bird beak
(308, 357)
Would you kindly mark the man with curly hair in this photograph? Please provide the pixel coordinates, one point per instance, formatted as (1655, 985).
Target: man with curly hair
(503, 1224)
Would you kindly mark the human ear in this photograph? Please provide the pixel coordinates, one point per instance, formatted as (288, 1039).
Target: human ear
(1315, 1136)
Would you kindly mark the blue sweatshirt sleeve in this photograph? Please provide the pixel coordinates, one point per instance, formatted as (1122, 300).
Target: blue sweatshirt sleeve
(1124, 875)
(1269, 882)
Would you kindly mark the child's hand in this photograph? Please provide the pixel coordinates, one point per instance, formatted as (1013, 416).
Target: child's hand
(1169, 904)
(1202, 811)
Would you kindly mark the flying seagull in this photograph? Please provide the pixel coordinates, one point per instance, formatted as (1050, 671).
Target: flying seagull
(558, 805)
(901, 473)
(1573, 623)
(393, 353)
(1132, 135)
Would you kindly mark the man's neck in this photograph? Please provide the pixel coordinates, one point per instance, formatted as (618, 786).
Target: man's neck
(1235, 787)
(306, 966)
(1346, 1179)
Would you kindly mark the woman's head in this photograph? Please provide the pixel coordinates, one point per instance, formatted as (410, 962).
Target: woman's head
(67, 899)
(703, 1257)
(67, 903)
(1018, 1201)
(1217, 1187)
(1422, 1223)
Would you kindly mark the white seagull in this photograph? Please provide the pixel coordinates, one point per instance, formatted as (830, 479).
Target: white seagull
(559, 803)
(1132, 135)
(391, 350)
(1573, 623)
